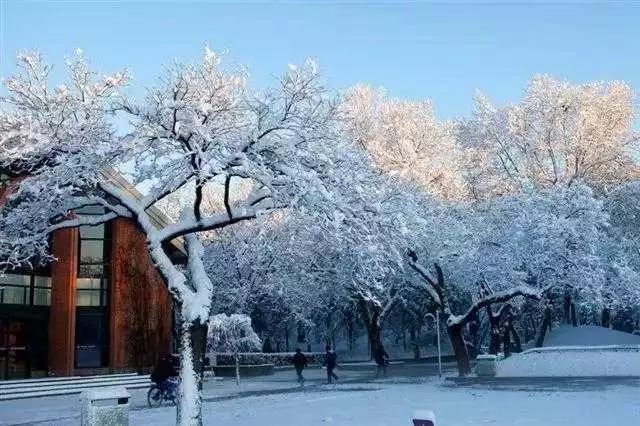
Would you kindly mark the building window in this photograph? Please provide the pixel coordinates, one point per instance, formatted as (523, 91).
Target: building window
(25, 289)
(93, 263)
(41, 290)
(92, 292)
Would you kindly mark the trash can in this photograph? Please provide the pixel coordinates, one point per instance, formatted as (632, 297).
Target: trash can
(106, 406)
(424, 418)
(486, 365)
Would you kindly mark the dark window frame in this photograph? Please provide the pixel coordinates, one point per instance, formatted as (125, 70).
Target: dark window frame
(105, 262)
(28, 295)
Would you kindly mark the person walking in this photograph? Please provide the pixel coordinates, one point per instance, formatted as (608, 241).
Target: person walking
(299, 361)
(382, 360)
(331, 362)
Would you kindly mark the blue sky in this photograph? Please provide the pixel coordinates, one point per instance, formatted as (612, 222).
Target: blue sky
(441, 51)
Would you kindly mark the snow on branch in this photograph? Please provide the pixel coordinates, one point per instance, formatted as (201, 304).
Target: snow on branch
(208, 223)
(498, 297)
(434, 289)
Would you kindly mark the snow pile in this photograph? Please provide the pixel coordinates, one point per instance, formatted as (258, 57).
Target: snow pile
(574, 361)
(589, 335)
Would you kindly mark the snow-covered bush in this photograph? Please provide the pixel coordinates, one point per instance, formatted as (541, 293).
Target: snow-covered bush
(232, 333)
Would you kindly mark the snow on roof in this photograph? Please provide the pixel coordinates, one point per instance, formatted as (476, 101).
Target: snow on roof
(158, 218)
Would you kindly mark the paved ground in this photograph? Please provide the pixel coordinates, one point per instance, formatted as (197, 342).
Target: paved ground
(53, 410)
(408, 386)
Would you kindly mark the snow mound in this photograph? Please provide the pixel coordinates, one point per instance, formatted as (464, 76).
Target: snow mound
(573, 361)
(589, 335)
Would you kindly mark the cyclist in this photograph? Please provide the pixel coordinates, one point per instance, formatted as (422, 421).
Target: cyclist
(165, 372)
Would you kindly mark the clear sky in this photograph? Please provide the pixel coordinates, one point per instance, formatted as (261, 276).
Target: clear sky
(441, 51)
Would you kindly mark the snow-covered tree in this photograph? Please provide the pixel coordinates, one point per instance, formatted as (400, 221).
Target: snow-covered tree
(406, 140)
(527, 244)
(200, 127)
(255, 270)
(623, 251)
(232, 333)
(556, 135)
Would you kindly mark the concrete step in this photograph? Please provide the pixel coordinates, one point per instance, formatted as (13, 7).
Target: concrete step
(56, 379)
(36, 388)
(65, 391)
(64, 386)
(70, 381)
(75, 386)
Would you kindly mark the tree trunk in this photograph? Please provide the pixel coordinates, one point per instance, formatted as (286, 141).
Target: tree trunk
(413, 336)
(286, 337)
(474, 330)
(574, 320)
(507, 341)
(494, 332)
(237, 359)
(350, 335)
(516, 339)
(459, 349)
(193, 339)
(370, 317)
(404, 339)
(606, 317)
(544, 326)
(567, 307)
(374, 334)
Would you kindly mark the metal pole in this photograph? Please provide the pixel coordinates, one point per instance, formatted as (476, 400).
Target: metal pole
(439, 353)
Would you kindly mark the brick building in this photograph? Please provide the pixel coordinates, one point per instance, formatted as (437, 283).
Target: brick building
(101, 307)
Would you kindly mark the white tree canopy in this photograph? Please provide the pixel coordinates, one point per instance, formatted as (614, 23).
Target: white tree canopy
(406, 140)
(557, 134)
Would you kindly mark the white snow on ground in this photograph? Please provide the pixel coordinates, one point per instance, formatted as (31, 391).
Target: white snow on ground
(589, 335)
(381, 403)
(389, 404)
(574, 361)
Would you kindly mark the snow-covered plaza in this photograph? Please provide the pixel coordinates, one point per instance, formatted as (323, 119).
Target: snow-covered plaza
(358, 400)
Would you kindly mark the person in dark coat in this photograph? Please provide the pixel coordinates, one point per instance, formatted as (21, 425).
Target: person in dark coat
(331, 362)
(382, 361)
(165, 369)
(299, 361)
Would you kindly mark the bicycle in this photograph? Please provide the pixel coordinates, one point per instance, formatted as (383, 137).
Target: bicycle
(158, 394)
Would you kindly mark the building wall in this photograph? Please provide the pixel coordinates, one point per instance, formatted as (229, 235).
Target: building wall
(141, 314)
(62, 313)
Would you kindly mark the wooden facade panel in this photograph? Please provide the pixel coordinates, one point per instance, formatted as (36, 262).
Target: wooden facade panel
(62, 316)
(141, 315)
